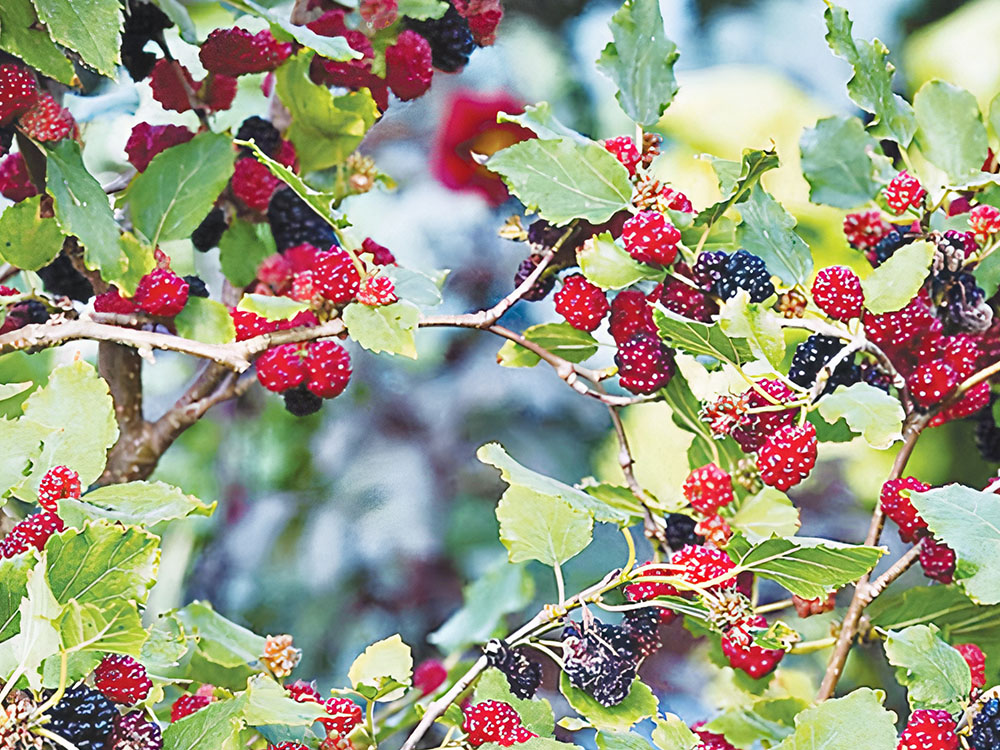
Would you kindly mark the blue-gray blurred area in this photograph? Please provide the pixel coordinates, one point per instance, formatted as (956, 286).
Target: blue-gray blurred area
(369, 518)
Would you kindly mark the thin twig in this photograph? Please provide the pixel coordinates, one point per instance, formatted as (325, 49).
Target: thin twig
(654, 526)
(899, 567)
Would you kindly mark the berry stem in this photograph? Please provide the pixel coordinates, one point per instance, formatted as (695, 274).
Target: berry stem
(809, 647)
(777, 606)
(53, 738)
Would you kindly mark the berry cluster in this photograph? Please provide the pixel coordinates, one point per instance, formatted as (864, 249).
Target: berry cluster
(33, 531)
(523, 675)
(494, 721)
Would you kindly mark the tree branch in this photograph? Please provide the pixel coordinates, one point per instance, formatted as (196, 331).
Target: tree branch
(654, 527)
(121, 367)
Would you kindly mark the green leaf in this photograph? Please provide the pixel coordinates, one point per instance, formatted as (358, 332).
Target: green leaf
(541, 120)
(216, 726)
(102, 564)
(325, 128)
(605, 263)
(386, 661)
(894, 283)
(330, 47)
(805, 566)
(968, 521)
(563, 180)
(422, 9)
(133, 503)
(753, 165)
(9, 390)
(502, 589)
(91, 28)
(770, 720)
(857, 720)
(205, 320)
(267, 702)
(768, 231)
(765, 514)
(871, 85)
(701, 338)
(22, 35)
(413, 286)
(270, 307)
(116, 629)
(22, 441)
(388, 328)
(841, 162)
(179, 187)
(684, 411)
(82, 209)
(639, 704)
(561, 339)
(242, 248)
(37, 637)
(139, 260)
(936, 675)
(28, 242)
(535, 714)
(640, 61)
(950, 130)
(869, 411)
(757, 324)
(77, 407)
(517, 475)
(671, 733)
(987, 273)
(14, 574)
(219, 640)
(534, 526)
(614, 740)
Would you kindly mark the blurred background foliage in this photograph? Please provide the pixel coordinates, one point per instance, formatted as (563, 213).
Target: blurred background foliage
(370, 517)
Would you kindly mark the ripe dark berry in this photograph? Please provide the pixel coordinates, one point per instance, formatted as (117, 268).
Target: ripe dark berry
(650, 238)
(837, 292)
(581, 303)
(903, 191)
(896, 505)
(161, 292)
(187, 705)
(524, 676)
(235, 52)
(62, 278)
(328, 368)
(976, 660)
(18, 91)
(703, 564)
(429, 676)
(143, 22)
(196, 286)
(494, 721)
(886, 247)
(122, 679)
(146, 141)
(262, 133)
(986, 726)
(754, 660)
(929, 730)
(625, 151)
(542, 286)
(747, 272)
(938, 560)
(966, 305)
(46, 120)
(133, 731)
(812, 355)
(408, 66)
(987, 436)
(644, 626)
(865, 229)
(754, 429)
(631, 313)
(601, 660)
(643, 591)
(301, 402)
(788, 456)
(645, 363)
(687, 301)
(342, 715)
(335, 276)
(450, 39)
(15, 182)
(31, 532)
(83, 717)
(932, 381)
(59, 483)
(680, 532)
(708, 488)
(281, 367)
(293, 222)
(708, 270)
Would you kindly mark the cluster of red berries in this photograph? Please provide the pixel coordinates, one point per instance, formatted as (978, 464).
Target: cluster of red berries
(494, 721)
(936, 558)
(161, 293)
(33, 531)
(707, 490)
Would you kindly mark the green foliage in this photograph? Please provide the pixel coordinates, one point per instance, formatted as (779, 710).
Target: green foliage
(639, 704)
(856, 720)
(671, 733)
(381, 667)
(607, 264)
(205, 320)
(894, 283)
(29, 241)
(934, 673)
(21, 35)
(133, 503)
(841, 162)
(869, 411)
(757, 324)
(640, 61)
(388, 328)
(536, 526)
(563, 179)
(38, 635)
(560, 339)
(91, 28)
(770, 720)
(541, 120)
(768, 231)
(950, 130)
(701, 338)
(765, 514)
(736, 186)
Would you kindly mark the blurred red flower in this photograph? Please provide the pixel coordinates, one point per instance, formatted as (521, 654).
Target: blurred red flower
(471, 127)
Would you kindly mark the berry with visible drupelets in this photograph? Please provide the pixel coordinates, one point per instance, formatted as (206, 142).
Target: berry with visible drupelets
(986, 726)
(494, 721)
(703, 564)
(932, 381)
(449, 37)
(976, 660)
(645, 363)
(31, 532)
(680, 532)
(899, 327)
(47, 120)
(897, 506)
(581, 303)
(928, 729)
(83, 717)
(293, 222)
(685, 299)
(984, 221)
(865, 229)
(301, 402)
(631, 313)
(253, 183)
(59, 483)
(262, 133)
(375, 291)
(725, 413)
(904, 191)
(754, 660)
(542, 286)
(711, 740)
(715, 529)
(747, 272)
(788, 456)
(328, 368)
(409, 66)
(708, 488)
(837, 292)
(812, 355)
(304, 692)
(429, 676)
(146, 141)
(754, 429)
(643, 625)
(236, 52)
(280, 656)
(187, 705)
(625, 151)
(708, 270)
(281, 367)
(524, 676)
(122, 679)
(336, 276)
(937, 559)
(173, 85)
(161, 292)
(15, 182)
(643, 591)
(342, 715)
(886, 247)
(650, 238)
(18, 91)
(601, 660)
